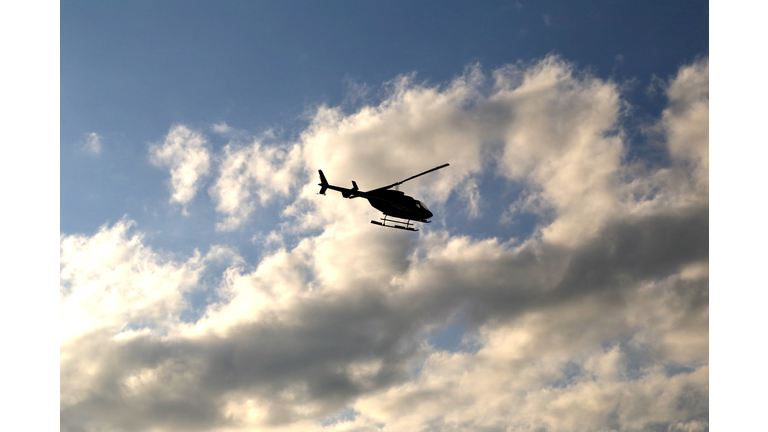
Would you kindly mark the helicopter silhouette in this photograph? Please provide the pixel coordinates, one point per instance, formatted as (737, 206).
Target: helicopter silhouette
(393, 203)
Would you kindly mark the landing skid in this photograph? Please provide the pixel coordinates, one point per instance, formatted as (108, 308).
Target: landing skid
(407, 226)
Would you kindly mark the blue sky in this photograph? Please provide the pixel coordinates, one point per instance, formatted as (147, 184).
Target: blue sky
(563, 284)
(129, 71)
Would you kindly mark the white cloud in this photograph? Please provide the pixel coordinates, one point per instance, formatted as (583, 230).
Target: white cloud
(557, 128)
(93, 144)
(686, 121)
(249, 175)
(222, 128)
(186, 153)
(111, 280)
(598, 321)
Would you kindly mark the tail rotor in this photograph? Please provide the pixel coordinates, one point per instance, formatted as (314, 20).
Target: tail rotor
(323, 183)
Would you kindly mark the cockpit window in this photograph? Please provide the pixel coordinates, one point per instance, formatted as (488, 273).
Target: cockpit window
(421, 204)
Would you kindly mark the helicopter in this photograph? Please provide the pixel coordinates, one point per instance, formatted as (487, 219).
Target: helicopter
(393, 203)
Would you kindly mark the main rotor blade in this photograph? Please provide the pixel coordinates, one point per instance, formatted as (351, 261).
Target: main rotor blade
(413, 177)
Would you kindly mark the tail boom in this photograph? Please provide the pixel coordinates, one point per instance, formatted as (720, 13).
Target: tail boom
(346, 193)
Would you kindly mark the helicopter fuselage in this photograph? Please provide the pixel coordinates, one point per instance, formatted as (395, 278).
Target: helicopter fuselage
(397, 204)
(390, 202)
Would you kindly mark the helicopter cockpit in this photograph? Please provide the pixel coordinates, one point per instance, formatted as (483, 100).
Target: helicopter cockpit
(421, 205)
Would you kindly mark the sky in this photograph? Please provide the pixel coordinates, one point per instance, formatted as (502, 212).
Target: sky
(562, 284)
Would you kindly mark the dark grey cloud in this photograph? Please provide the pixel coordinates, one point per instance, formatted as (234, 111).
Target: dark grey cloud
(266, 358)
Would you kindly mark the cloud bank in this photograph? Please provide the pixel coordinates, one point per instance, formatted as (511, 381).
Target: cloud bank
(597, 321)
